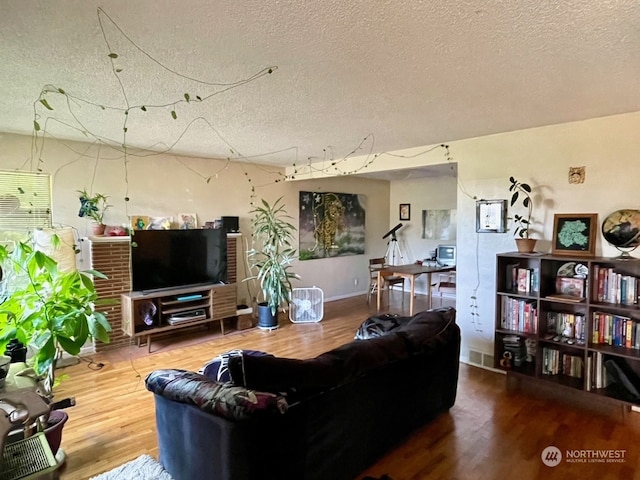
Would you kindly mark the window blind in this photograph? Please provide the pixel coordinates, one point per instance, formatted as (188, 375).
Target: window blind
(25, 201)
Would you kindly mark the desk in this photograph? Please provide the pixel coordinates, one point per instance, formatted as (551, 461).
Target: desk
(411, 272)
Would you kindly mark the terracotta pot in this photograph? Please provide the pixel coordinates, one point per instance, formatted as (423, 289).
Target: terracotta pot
(98, 229)
(526, 245)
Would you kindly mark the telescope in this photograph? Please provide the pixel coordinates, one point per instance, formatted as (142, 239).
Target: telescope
(392, 231)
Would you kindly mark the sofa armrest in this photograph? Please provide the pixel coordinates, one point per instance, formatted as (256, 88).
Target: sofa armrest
(225, 400)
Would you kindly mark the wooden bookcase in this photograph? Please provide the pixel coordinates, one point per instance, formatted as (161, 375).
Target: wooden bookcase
(578, 341)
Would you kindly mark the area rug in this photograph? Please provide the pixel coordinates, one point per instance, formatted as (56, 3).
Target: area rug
(142, 468)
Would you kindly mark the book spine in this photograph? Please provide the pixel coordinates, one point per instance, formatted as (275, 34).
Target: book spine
(601, 284)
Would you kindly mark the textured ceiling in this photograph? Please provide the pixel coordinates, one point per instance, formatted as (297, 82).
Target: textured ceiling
(349, 76)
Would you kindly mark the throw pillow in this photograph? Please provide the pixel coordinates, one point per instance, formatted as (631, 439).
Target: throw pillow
(218, 367)
(379, 325)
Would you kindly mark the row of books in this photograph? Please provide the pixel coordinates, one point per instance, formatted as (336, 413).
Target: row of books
(612, 287)
(567, 325)
(520, 315)
(597, 376)
(615, 330)
(516, 347)
(522, 280)
(554, 363)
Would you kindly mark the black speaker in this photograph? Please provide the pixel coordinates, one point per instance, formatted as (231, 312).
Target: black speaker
(230, 224)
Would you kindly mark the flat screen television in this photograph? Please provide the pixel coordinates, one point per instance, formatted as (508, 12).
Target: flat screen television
(162, 259)
(446, 255)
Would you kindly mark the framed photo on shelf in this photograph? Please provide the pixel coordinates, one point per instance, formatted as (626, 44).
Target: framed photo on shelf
(405, 211)
(574, 234)
(571, 286)
(491, 216)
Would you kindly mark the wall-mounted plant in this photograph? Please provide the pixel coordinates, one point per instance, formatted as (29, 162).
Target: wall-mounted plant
(134, 108)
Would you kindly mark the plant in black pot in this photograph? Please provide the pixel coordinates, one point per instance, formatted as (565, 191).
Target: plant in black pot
(49, 310)
(522, 192)
(271, 258)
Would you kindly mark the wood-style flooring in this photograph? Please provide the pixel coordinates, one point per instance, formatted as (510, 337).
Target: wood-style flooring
(491, 433)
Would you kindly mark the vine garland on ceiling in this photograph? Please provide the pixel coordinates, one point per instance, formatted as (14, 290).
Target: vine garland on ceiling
(50, 95)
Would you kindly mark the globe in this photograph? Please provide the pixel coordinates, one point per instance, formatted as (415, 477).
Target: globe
(622, 230)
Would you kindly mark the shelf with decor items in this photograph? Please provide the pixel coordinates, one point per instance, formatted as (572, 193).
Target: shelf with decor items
(147, 314)
(570, 321)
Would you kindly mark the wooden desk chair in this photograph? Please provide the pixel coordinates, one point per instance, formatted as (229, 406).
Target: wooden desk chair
(446, 285)
(389, 281)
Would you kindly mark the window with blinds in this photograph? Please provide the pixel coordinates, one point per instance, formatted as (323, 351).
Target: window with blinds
(25, 201)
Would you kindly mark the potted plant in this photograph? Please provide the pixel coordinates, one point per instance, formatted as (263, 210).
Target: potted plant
(522, 191)
(93, 207)
(49, 310)
(274, 235)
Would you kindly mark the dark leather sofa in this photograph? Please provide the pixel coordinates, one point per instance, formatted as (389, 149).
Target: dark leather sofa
(326, 418)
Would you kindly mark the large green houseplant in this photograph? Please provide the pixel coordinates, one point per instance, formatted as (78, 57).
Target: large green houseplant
(48, 310)
(271, 258)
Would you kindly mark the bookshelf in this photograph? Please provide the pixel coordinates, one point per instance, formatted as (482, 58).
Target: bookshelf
(572, 322)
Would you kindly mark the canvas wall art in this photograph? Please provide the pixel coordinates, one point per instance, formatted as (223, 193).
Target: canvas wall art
(439, 224)
(331, 225)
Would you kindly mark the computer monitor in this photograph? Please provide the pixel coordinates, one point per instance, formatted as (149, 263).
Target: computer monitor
(446, 255)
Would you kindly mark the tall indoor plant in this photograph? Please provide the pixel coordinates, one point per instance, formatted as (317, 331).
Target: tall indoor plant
(522, 191)
(273, 237)
(49, 310)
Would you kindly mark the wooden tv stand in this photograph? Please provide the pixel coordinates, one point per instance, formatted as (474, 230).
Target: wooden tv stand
(177, 308)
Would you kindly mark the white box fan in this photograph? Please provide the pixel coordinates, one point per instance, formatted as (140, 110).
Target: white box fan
(307, 305)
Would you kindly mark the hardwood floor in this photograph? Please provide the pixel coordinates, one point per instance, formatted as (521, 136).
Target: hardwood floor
(490, 433)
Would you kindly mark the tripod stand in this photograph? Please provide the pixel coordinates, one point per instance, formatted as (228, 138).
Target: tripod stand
(392, 249)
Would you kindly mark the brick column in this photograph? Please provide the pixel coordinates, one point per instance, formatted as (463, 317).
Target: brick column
(111, 256)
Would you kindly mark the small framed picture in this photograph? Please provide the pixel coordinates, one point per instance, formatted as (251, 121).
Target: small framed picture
(572, 286)
(491, 216)
(405, 211)
(574, 234)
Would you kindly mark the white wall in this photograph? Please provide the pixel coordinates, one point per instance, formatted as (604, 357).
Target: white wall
(166, 185)
(607, 147)
(422, 194)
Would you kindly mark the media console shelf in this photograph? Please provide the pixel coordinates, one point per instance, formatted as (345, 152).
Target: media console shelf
(572, 325)
(176, 308)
